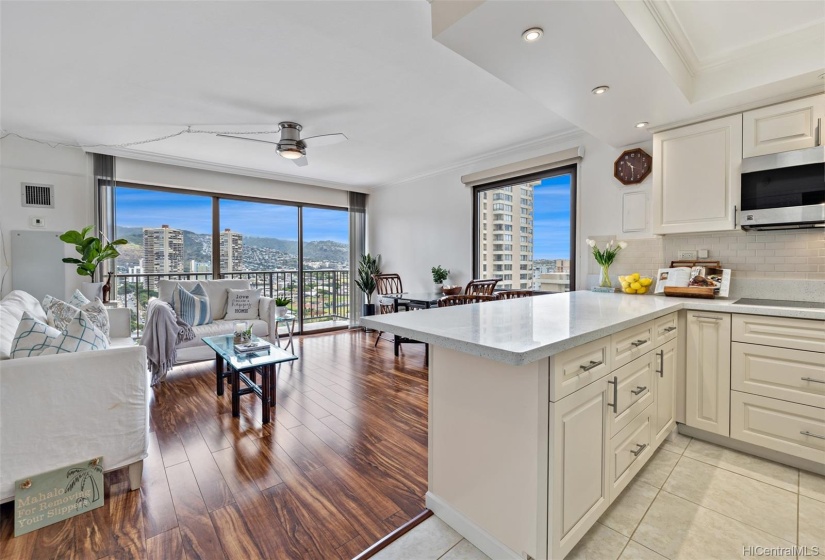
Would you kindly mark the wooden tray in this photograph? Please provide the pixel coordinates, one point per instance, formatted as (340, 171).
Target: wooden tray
(705, 293)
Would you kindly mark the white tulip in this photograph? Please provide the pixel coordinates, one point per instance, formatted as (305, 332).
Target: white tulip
(591, 242)
(622, 245)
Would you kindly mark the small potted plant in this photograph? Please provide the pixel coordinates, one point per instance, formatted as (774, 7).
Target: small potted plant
(439, 275)
(92, 252)
(282, 306)
(368, 267)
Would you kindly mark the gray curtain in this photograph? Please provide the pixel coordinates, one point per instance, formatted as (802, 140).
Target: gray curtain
(357, 247)
(104, 208)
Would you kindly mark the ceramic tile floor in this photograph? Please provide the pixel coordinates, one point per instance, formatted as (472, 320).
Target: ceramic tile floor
(693, 500)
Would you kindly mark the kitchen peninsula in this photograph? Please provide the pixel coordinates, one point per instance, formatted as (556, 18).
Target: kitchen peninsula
(543, 409)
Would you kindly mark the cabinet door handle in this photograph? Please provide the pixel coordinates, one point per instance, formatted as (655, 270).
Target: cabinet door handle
(638, 390)
(812, 379)
(661, 370)
(807, 433)
(819, 131)
(670, 329)
(614, 404)
(637, 343)
(590, 366)
(708, 318)
(639, 448)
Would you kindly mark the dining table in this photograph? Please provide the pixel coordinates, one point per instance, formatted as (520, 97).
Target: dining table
(412, 300)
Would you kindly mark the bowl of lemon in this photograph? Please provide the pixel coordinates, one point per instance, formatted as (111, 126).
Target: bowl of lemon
(635, 284)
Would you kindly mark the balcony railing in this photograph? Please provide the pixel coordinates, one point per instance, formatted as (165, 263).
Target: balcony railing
(325, 292)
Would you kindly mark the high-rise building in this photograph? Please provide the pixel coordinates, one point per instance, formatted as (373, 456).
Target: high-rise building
(231, 251)
(162, 252)
(506, 235)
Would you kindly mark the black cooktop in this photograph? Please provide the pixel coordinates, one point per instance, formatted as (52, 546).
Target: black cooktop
(780, 303)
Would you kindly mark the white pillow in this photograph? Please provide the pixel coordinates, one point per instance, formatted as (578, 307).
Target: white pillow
(81, 335)
(242, 304)
(32, 337)
(60, 313)
(77, 299)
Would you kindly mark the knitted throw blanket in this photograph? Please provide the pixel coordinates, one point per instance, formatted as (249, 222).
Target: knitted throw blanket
(163, 331)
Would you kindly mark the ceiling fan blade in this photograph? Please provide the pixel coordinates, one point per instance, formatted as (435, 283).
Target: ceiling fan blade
(245, 138)
(301, 162)
(324, 139)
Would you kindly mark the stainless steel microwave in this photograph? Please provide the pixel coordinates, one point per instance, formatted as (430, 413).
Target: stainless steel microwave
(784, 191)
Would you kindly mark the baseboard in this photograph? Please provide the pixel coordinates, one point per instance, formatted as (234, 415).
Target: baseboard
(480, 538)
(752, 449)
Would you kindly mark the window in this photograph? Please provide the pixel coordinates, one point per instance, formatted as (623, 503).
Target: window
(545, 206)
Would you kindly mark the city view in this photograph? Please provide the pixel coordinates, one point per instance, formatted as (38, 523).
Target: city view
(169, 236)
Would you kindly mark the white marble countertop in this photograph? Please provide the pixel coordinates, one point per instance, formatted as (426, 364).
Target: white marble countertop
(521, 331)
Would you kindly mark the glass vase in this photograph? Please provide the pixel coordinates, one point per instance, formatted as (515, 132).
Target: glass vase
(604, 279)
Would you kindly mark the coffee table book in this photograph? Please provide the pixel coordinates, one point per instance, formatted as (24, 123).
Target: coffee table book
(255, 346)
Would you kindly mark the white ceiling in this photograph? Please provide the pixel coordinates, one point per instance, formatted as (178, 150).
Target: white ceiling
(115, 72)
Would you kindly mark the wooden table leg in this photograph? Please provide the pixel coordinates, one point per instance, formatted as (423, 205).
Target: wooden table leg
(236, 396)
(266, 376)
(219, 373)
(273, 382)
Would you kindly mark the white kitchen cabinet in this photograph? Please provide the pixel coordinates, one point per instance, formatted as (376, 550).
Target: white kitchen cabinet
(578, 474)
(707, 371)
(696, 176)
(780, 128)
(665, 383)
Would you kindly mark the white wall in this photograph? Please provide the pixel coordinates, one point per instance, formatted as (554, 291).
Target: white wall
(419, 224)
(66, 169)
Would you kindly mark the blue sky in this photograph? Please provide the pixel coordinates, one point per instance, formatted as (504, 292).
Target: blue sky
(551, 218)
(146, 208)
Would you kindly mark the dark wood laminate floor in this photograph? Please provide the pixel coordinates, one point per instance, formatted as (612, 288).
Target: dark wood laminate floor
(343, 463)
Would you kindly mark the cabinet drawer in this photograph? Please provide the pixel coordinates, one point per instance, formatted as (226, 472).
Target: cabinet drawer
(791, 428)
(631, 389)
(629, 451)
(578, 367)
(629, 344)
(665, 329)
(801, 334)
(793, 375)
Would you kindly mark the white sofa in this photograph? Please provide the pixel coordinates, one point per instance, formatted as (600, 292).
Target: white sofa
(195, 350)
(66, 408)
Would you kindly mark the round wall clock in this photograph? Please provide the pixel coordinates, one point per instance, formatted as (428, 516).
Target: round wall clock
(633, 166)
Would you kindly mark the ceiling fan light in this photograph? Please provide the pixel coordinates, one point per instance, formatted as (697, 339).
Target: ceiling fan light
(291, 153)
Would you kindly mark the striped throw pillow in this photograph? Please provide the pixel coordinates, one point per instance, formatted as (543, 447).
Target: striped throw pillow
(192, 306)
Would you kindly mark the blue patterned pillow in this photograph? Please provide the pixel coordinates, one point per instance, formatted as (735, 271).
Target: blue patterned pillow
(80, 335)
(192, 307)
(32, 337)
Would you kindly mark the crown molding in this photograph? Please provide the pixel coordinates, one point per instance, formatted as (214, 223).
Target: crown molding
(224, 168)
(672, 29)
(569, 134)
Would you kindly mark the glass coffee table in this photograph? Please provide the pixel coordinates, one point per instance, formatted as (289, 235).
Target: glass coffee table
(245, 367)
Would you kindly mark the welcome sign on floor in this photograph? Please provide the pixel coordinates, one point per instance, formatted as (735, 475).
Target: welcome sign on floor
(57, 495)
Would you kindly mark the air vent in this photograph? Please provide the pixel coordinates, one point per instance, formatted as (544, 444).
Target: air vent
(38, 195)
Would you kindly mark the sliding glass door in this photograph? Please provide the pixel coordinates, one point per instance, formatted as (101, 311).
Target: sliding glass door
(325, 263)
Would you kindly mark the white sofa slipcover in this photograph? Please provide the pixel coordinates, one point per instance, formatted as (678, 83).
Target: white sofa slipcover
(62, 409)
(195, 350)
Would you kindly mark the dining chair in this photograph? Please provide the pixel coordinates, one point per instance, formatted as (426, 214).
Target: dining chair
(481, 287)
(388, 284)
(514, 294)
(450, 301)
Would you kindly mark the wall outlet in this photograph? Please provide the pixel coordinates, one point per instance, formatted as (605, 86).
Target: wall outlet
(703, 253)
(687, 255)
(37, 221)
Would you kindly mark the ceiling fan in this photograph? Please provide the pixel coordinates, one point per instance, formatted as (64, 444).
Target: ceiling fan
(291, 145)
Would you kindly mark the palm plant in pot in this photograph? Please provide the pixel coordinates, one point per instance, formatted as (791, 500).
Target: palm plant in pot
(92, 252)
(368, 267)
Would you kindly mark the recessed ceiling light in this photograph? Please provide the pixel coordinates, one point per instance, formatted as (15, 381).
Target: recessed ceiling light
(598, 90)
(533, 34)
(642, 124)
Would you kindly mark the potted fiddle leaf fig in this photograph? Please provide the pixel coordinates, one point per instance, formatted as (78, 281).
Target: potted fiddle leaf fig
(92, 252)
(368, 267)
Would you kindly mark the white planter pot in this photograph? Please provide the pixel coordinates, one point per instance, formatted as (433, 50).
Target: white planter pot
(92, 290)
(281, 311)
(437, 287)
